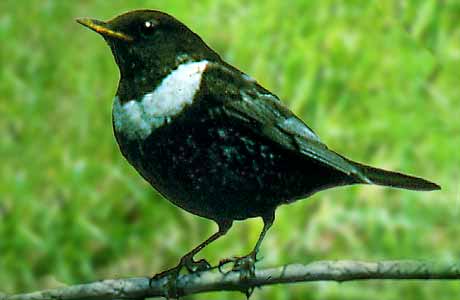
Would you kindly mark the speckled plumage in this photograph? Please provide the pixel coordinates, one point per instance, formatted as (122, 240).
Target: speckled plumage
(219, 170)
(209, 138)
(217, 166)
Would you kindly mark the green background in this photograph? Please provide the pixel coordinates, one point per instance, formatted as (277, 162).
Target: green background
(377, 80)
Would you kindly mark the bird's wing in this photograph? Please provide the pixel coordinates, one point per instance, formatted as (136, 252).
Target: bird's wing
(245, 101)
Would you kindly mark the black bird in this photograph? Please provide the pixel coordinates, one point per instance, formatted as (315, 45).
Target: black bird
(209, 138)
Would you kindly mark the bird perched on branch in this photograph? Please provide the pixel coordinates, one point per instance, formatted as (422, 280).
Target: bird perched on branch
(209, 138)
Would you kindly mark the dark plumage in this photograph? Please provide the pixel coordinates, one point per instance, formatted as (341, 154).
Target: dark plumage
(209, 138)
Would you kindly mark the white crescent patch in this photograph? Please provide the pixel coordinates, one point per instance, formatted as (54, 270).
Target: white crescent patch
(136, 119)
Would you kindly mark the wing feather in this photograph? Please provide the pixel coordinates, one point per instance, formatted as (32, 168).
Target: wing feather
(262, 111)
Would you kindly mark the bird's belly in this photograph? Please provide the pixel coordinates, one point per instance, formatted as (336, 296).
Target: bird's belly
(220, 172)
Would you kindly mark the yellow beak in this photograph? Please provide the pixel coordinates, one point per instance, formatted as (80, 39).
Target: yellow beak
(102, 28)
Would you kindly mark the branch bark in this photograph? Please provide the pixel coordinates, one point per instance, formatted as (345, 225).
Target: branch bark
(344, 270)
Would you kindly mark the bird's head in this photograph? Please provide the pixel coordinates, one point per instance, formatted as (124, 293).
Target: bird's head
(147, 44)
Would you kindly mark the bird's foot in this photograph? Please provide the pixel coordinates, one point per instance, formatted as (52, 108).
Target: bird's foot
(169, 285)
(171, 275)
(193, 266)
(245, 266)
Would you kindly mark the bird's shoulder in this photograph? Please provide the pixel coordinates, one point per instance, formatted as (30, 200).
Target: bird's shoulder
(241, 97)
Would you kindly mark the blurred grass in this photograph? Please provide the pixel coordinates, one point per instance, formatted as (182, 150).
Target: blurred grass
(377, 80)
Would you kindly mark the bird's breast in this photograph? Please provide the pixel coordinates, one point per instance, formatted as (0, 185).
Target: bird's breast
(138, 118)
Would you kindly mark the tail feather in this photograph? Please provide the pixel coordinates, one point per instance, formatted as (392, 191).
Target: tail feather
(395, 179)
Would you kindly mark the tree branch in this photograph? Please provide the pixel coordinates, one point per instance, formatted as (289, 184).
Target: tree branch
(138, 288)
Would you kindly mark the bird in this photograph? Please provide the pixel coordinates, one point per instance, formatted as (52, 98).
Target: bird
(209, 138)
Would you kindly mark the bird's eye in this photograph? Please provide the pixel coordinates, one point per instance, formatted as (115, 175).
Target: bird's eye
(148, 27)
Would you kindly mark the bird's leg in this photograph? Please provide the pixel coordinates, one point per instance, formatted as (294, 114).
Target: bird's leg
(187, 260)
(246, 264)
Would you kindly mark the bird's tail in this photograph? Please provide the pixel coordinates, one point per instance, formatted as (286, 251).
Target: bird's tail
(395, 179)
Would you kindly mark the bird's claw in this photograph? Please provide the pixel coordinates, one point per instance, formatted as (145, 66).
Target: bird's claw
(193, 266)
(240, 264)
(173, 272)
(169, 286)
(245, 265)
(171, 275)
